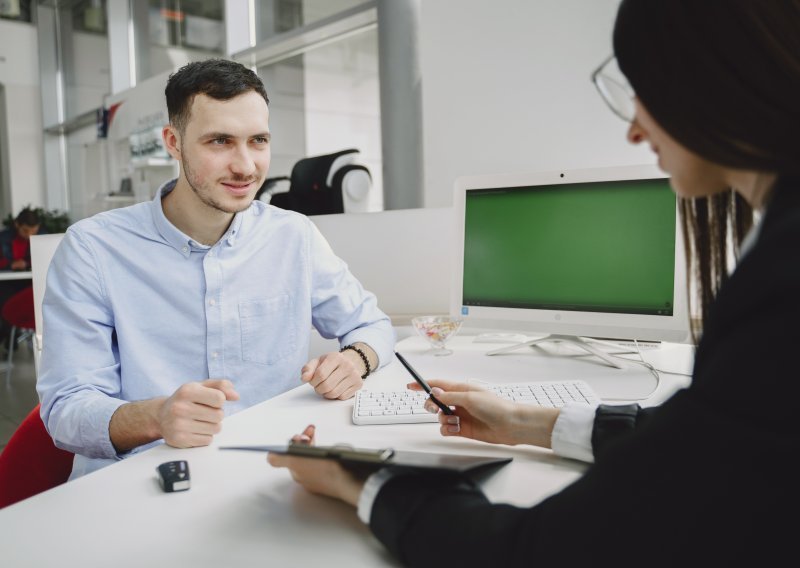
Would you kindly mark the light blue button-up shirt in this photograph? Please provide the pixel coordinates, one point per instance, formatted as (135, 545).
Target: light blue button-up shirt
(134, 309)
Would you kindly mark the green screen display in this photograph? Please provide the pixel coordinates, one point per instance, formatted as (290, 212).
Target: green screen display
(592, 247)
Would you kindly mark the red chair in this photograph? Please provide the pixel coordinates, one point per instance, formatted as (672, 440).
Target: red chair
(18, 311)
(31, 463)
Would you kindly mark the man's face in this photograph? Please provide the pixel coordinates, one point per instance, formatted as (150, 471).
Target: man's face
(26, 231)
(225, 151)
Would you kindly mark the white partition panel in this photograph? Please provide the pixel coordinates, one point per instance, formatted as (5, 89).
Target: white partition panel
(402, 256)
(42, 249)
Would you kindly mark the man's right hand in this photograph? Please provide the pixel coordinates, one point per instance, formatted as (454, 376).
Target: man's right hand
(188, 418)
(193, 414)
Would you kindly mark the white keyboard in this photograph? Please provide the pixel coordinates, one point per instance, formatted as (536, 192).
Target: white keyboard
(407, 406)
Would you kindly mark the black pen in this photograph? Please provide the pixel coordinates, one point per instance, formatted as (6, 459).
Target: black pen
(426, 387)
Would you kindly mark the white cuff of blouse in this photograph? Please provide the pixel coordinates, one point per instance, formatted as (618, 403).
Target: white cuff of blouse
(370, 492)
(572, 432)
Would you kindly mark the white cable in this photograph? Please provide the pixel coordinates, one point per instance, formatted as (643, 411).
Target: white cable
(639, 351)
(646, 365)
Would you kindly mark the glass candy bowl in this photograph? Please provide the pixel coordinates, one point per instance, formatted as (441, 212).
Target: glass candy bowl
(437, 330)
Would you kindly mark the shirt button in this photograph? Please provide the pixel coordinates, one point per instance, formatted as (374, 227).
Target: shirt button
(211, 253)
(214, 354)
(212, 302)
(185, 249)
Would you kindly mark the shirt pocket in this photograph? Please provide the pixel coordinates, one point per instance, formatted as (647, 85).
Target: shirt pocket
(268, 329)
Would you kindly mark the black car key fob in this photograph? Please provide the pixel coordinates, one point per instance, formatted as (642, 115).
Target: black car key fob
(174, 476)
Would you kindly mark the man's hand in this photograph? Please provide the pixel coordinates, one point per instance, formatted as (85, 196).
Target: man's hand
(335, 375)
(193, 414)
(190, 417)
(19, 264)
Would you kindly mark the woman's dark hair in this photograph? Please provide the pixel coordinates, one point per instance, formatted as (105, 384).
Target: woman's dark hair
(219, 79)
(28, 217)
(722, 77)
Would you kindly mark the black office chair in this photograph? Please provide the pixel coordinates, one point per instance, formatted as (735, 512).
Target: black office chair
(318, 184)
(270, 192)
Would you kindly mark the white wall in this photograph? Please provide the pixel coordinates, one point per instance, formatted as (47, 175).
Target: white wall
(170, 58)
(506, 89)
(86, 87)
(19, 73)
(342, 100)
(285, 84)
(91, 78)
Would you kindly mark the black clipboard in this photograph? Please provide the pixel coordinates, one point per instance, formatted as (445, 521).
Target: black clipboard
(374, 459)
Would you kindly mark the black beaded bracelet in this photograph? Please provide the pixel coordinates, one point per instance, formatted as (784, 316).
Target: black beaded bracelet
(363, 358)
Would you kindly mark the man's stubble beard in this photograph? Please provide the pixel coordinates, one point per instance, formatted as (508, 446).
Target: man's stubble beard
(204, 196)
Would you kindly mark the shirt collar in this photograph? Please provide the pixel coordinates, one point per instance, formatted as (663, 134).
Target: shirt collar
(176, 238)
(750, 239)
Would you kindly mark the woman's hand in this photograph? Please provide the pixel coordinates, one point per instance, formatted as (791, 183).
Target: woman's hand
(481, 415)
(323, 477)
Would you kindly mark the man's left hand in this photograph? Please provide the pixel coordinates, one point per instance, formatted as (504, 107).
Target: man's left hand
(335, 375)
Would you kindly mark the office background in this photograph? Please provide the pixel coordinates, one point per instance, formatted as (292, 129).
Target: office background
(500, 86)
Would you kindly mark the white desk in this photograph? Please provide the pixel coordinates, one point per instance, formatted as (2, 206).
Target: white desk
(15, 274)
(241, 512)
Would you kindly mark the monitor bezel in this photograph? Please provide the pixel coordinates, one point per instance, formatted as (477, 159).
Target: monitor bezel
(674, 328)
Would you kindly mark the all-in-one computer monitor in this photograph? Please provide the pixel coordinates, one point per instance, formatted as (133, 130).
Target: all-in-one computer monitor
(587, 253)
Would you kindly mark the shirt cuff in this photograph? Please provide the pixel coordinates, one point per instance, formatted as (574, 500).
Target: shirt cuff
(97, 434)
(380, 336)
(370, 492)
(572, 433)
(80, 423)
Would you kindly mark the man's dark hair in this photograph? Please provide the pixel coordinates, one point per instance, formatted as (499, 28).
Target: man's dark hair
(722, 77)
(28, 217)
(219, 79)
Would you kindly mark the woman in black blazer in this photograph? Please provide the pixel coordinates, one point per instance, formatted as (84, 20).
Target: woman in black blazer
(706, 477)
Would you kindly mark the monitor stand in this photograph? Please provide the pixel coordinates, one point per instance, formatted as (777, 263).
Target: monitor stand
(571, 339)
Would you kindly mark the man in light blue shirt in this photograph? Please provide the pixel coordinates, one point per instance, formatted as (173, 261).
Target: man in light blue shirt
(163, 317)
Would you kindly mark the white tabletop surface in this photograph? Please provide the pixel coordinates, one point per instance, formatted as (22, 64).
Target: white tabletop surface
(241, 512)
(15, 274)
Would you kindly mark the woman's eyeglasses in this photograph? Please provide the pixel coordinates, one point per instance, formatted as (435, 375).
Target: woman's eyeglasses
(614, 89)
